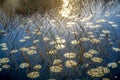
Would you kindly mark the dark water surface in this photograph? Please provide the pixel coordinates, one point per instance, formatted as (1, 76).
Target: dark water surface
(81, 41)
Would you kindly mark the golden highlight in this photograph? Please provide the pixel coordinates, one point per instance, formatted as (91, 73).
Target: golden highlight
(27, 7)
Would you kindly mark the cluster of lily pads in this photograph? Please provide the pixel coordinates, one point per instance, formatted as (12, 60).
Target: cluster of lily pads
(4, 63)
(64, 47)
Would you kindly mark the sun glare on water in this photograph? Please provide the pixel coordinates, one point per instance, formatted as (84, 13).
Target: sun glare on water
(65, 12)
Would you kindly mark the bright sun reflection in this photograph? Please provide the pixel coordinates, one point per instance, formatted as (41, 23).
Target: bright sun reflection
(65, 12)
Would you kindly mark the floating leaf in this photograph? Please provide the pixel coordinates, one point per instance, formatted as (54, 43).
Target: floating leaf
(98, 72)
(56, 69)
(88, 55)
(75, 42)
(33, 75)
(6, 66)
(70, 63)
(70, 55)
(113, 65)
(59, 46)
(4, 60)
(97, 59)
(24, 65)
(37, 67)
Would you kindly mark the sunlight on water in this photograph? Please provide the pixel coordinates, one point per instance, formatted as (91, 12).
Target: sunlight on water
(65, 12)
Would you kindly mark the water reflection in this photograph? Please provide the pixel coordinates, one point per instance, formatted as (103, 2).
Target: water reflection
(69, 9)
(66, 10)
(69, 48)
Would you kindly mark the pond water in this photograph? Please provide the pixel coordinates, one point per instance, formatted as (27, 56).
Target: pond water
(78, 41)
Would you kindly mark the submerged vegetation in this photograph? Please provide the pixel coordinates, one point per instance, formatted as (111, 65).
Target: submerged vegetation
(59, 40)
